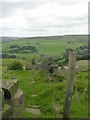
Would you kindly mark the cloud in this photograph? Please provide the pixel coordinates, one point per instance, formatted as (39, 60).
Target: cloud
(44, 18)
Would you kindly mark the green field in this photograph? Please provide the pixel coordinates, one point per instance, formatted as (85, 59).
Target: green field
(50, 47)
(50, 94)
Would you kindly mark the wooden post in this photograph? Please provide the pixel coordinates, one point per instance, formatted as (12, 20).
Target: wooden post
(69, 84)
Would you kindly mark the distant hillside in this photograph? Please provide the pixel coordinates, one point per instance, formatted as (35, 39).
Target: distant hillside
(73, 37)
(58, 37)
(4, 39)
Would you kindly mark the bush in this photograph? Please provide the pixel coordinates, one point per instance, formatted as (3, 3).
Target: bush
(15, 66)
(33, 61)
(4, 55)
(14, 46)
(51, 69)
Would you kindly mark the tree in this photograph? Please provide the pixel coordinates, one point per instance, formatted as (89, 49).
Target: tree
(15, 66)
(51, 69)
(23, 58)
(33, 61)
(66, 54)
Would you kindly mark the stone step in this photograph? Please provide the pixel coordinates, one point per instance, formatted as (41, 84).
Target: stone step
(57, 106)
(34, 95)
(7, 111)
(34, 111)
(34, 106)
(18, 110)
(18, 98)
(33, 82)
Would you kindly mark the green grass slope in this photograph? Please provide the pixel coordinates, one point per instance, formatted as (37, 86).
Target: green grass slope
(50, 93)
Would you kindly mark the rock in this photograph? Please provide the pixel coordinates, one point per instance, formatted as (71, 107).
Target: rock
(18, 110)
(12, 99)
(57, 107)
(10, 85)
(34, 106)
(84, 70)
(1, 99)
(18, 98)
(33, 111)
(34, 95)
(33, 82)
(7, 111)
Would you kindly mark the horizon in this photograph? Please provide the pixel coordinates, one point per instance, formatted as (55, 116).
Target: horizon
(49, 35)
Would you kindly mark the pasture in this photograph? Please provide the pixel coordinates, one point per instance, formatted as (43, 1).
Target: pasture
(40, 92)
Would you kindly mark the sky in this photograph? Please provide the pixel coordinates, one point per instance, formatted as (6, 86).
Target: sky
(28, 18)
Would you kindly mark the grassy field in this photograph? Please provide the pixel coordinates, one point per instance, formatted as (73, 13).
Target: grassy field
(50, 95)
(48, 47)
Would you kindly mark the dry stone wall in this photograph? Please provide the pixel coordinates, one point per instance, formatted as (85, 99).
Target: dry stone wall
(12, 98)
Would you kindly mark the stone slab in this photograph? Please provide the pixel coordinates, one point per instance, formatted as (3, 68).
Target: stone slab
(18, 110)
(33, 111)
(18, 98)
(10, 85)
(34, 95)
(1, 98)
(7, 111)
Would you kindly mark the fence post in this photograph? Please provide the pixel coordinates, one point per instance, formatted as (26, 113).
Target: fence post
(69, 84)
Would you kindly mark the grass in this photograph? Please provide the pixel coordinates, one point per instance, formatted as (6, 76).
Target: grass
(48, 47)
(7, 61)
(50, 92)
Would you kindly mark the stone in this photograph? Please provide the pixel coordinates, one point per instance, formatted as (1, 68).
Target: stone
(29, 67)
(10, 85)
(33, 111)
(57, 107)
(84, 70)
(18, 110)
(12, 99)
(7, 111)
(34, 106)
(34, 95)
(1, 98)
(33, 82)
(0, 112)
(18, 98)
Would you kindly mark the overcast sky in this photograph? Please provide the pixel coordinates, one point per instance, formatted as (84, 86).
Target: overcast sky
(43, 17)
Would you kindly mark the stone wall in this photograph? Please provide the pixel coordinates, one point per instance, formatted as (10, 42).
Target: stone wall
(12, 98)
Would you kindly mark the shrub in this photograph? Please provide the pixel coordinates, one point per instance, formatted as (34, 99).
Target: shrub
(14, 46)
(4, 55)
(33, 61)
(15, 66)
(51, 69)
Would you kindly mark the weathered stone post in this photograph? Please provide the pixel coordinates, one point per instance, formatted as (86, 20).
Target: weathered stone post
(69, 84)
